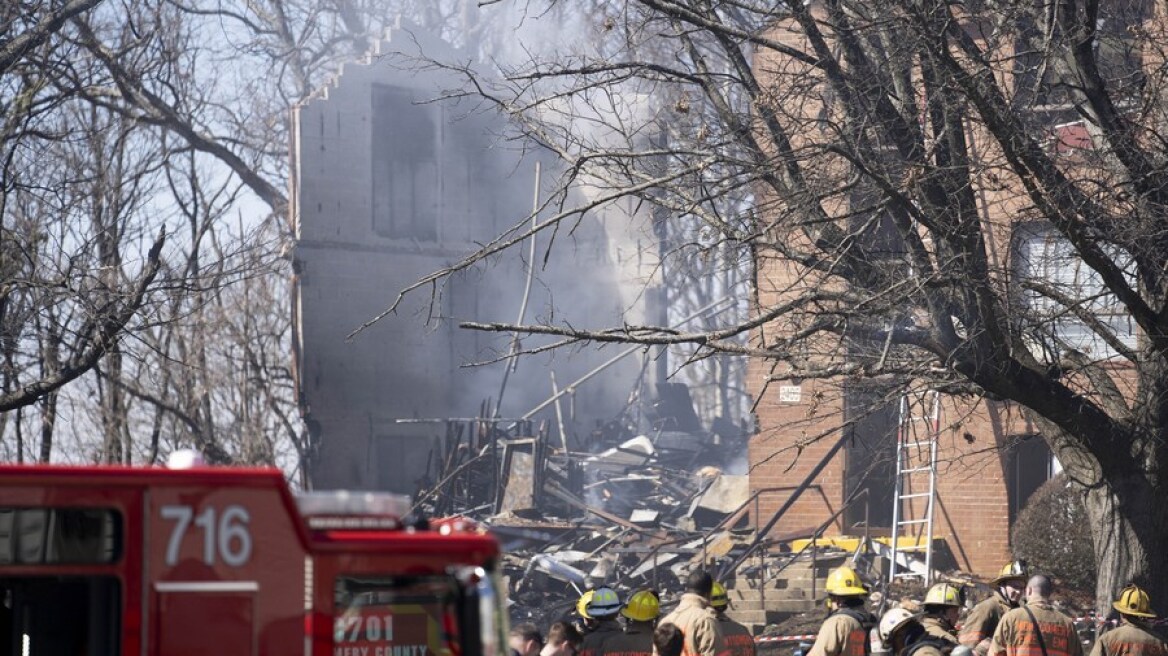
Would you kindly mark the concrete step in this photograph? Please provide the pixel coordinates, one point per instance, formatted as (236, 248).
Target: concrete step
(782, 583)
(783, 605)
(757, 595)
(801, 567)
(760, 618)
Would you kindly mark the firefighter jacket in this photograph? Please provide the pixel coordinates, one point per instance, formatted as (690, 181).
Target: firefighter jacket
(844, 633)
(939, 627)
(738, 640)
(1017, 634)
(594, 641)
(1129, 639)
(927, 646)
(699, 623)
(983, 620)
(637, 640)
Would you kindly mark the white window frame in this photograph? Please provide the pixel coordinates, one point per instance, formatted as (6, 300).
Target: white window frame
(1044, 254)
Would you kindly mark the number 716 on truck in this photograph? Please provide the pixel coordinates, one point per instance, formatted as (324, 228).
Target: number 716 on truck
(102, 561)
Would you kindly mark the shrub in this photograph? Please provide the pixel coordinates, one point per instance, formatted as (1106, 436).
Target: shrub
(1053, 534)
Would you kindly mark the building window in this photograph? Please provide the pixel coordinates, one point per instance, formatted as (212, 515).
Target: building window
(406, 184)
(1028, 463)
(1064, 287)
(872, 415)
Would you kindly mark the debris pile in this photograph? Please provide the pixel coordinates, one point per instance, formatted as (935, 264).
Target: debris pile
(638, 510)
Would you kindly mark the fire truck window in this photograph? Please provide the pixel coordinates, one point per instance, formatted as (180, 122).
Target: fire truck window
(52, 536)
(59, 616)
(397, 616)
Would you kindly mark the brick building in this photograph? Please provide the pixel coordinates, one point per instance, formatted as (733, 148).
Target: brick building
(990, 458)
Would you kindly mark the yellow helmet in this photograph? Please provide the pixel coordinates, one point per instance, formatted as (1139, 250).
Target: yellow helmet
(944, 594)
(718, 598)
(1134, 601)
(1014, 570)
(844, 582)
(643, 606)
(582, 604)
(605, 602)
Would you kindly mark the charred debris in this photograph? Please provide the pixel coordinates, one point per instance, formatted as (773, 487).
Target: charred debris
(610, 507)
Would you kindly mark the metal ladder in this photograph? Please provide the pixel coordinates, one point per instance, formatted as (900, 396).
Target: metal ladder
(918, 429)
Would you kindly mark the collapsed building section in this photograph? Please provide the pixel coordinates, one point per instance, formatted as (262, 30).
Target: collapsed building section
(392, 183)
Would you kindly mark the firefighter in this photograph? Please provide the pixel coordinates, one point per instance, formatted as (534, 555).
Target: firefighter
(1132, 637)
(845, 632)
(978, 628)
(903, 635)
(639, 612)
(943, 604)
(582, 621)
(697, 621)
(1036, 627)
(602, 608)
(737, 637)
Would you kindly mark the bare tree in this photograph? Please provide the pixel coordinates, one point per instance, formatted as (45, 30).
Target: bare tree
(122, 122)
(959, 196)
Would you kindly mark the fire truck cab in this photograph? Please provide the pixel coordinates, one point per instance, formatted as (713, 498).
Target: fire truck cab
(99, 561)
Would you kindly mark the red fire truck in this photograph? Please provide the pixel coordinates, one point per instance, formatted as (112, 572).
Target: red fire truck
(98, 561)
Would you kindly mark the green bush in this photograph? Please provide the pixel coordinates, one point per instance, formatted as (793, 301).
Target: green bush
(1053, 534)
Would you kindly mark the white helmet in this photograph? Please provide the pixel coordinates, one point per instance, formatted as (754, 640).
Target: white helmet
(892, 621)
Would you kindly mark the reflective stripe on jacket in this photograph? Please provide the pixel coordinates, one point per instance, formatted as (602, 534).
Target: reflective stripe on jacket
(1017, 634)
(1129, 640)
(593, 642)
(737, 637)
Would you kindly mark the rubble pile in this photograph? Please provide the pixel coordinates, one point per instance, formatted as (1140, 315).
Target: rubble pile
(620, 509)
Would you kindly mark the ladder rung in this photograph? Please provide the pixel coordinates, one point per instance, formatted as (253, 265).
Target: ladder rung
(915, 469)
(919, 444)
(915, 547)
(911, 521)
(916, 495)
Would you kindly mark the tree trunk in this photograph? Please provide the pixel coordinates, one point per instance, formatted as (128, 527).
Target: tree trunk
(48, 425)
(1130, 520)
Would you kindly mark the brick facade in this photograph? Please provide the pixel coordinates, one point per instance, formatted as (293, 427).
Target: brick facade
(977, 455)
(986, 469)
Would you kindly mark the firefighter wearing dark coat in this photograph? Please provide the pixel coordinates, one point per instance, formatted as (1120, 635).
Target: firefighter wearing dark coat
(637, 640)
(903, 635)
(1131, 637)
(942, 609)
(737, 637)
(1036, 629)
(845, 631)
(582, 623)
(978, 629)
(603, 609)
